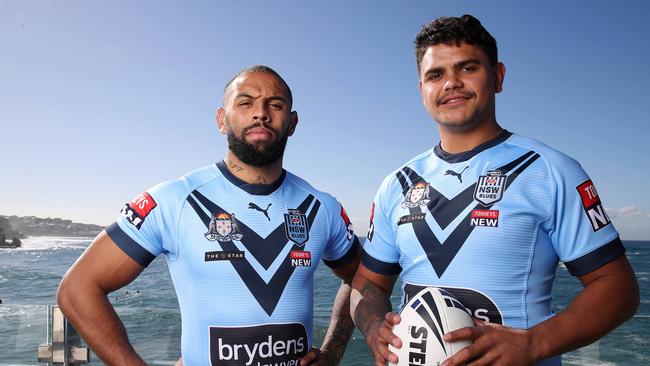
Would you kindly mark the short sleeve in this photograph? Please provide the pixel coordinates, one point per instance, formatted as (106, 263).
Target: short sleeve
(343, 244)
(380, 253)
(137, 231)
(581, 231)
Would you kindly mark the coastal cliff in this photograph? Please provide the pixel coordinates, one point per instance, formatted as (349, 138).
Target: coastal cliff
(21, 226)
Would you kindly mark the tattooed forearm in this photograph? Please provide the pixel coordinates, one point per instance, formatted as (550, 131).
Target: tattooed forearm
(369, 306)
(341, 325)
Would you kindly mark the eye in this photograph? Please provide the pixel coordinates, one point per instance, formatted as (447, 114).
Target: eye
(245, 103)
(469, 68)
(434, 76)
(277, 106)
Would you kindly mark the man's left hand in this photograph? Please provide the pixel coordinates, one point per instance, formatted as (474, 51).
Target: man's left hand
(319, 357)
(493, 345)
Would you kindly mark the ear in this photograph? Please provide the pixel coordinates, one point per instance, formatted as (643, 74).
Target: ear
(421, 92)
(500, 74)
(293, 122)
(221, 121)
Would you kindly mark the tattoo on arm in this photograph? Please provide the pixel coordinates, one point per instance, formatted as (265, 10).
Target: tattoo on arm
(370, 307)
(341, 325)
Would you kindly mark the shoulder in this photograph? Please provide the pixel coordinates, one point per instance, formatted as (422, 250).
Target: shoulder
(556, 161)
(175, 191)
(329, 201)
(417, 163)
(331, 205)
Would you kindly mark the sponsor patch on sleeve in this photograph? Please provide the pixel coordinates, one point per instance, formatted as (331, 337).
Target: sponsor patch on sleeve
(348, 223)
(138, 209)
(592, 205)
(371, 228)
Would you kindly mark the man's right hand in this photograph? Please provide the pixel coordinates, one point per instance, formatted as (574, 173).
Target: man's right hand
(371, 311)
(380, 336)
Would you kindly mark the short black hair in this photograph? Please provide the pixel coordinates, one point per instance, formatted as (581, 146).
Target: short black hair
(452, 29)
(260, 68)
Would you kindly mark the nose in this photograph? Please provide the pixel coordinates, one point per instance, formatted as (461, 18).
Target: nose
(452, 82)
(261, 114)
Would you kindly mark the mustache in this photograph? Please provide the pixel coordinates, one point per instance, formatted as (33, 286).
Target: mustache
(256, 125)
(463, 93)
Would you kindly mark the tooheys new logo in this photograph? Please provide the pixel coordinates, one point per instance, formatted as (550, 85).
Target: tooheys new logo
(138, 209)
(592, 205)
(261, 345)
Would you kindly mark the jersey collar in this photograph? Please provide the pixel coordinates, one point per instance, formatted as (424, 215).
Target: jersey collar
(256, 189)
(466, 155)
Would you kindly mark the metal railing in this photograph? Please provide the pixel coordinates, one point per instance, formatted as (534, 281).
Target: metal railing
(64, 345)
(155, 334)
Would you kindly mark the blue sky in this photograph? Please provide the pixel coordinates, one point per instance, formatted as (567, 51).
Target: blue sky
(100, 100)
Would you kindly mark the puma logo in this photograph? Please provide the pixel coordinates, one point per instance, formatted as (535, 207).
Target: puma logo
(253, 206)
(458, 175)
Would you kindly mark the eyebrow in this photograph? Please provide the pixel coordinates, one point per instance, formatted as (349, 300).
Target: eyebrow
(457, 65)
(274, 97)
(460, 64)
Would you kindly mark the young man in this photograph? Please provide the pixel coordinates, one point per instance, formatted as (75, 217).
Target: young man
(486, 214)
(242, 239)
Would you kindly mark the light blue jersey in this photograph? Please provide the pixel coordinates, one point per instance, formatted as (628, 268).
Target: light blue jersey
(242, 258)
(490, 225)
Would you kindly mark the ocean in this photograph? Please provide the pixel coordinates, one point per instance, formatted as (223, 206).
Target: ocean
(30, 275)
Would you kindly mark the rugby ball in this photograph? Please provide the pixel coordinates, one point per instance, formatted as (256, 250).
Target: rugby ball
(427, 316)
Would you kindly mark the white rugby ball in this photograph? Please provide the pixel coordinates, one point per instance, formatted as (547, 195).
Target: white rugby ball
(429, 315)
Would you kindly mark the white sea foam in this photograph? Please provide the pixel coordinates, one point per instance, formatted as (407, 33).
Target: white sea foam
(53, 242)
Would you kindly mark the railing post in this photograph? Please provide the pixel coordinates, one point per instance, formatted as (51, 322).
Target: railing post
(64, 343)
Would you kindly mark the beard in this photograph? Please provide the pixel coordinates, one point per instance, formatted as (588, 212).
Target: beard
(258, 154)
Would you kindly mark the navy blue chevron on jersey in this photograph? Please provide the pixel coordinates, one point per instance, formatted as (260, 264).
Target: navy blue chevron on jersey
(243, 274)
(494, 236)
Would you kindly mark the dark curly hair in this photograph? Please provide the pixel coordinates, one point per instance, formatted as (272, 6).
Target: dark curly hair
(451, 29)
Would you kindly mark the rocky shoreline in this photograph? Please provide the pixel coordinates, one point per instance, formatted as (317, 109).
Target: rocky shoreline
(19, 227)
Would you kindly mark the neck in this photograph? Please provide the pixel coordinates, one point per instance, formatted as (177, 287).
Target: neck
(455, 142)
(253, 174)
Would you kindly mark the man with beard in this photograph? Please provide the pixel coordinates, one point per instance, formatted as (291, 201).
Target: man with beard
(493, 238)
(243, 275)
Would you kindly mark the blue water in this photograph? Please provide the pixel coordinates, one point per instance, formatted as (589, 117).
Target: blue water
(148, 307)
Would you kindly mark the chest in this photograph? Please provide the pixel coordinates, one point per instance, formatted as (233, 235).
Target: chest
(495, 211)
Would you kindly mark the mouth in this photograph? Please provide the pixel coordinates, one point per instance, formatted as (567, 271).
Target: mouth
(259, 133)
(454, 100)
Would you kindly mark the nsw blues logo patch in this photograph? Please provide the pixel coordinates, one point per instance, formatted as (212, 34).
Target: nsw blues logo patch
(490, 187)
(295, 225)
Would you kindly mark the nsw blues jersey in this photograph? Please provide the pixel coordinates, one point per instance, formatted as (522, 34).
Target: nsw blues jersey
(242, 258)
(490, 226)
